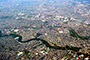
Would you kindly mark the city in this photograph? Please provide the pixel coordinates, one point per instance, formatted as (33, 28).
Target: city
(45, 30)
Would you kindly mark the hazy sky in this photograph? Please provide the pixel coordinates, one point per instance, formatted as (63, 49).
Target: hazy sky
(16, 1)
(34, 0)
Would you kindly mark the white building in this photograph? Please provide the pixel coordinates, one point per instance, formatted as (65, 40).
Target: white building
(16, 30)
(20, 53)
(16, 38)
(61, 31)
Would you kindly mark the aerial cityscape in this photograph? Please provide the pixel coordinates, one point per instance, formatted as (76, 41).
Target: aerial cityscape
(45, 30)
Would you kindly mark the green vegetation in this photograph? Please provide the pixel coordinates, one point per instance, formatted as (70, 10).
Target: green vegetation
(88, 25)
(74, 34)
(28, 56)
(1, 46)
(26, 52)
(38, 34)
(72, 48)
(13, 33)
(84, 38)
(10, 49)
(68, 55)
(17, 52)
